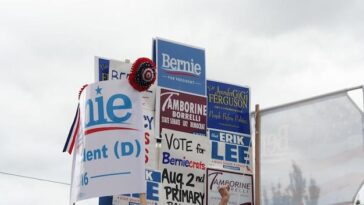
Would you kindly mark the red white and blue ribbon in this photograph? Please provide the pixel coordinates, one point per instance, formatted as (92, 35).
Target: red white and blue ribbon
(72, 135)
(75, 127)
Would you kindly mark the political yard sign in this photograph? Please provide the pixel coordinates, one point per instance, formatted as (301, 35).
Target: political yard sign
(229, 126)
(109, 151)
(228, 107)
(183, 163)
(241, 187)
(180, 67)
(153, 179)
(149, 139)
(231, 150)
(102, 67)
(181, 111)
(109, 69)
(152, 176)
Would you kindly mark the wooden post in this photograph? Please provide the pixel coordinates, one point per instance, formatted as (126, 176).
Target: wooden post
(257, 155)
(143, 199)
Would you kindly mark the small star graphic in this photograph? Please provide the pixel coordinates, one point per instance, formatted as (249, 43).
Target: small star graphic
(98, 90)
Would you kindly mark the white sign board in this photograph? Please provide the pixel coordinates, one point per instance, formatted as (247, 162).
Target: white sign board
(241, 187)
(149, 139)
(183, 166)
(109, 151)
(119, 70)
(153, 178)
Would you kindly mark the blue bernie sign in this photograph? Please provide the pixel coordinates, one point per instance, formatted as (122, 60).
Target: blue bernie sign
(180, 67)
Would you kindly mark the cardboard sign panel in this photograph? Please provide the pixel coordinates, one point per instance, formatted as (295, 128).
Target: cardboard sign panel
(109, 69)
(183, 163)
(231, 151)
(182, 112)
(110, 144)
(228, 107)
(180, 67)
(153, 179)
(149, 139)
(241, 187)
(101, 69)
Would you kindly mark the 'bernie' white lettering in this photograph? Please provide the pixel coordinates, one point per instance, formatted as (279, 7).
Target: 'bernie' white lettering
(182, 66)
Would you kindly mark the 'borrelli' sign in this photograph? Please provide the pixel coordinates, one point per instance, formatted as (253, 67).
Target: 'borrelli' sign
(183, 112)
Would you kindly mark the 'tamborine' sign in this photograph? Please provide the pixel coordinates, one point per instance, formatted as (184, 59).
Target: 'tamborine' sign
(241, 187)
(181, 111)
(153, 179)
(110, 144)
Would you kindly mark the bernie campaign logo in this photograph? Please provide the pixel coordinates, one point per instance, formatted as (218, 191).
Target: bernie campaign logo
(181, 67)
(182, 162)
(101, 111)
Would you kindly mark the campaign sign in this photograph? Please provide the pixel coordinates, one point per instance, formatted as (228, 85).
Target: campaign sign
(183, 165)
(101, 69)
(231, 150)
(117, 70)
(228, 107)
(149, 139)
(109, 151)
(153, 179)
(241, 187)
(180, 67)
(152, 176)
(182, 112)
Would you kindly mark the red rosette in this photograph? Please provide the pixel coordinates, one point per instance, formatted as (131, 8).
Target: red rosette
(142, 74)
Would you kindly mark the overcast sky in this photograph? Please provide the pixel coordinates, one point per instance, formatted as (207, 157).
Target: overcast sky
(284, 50)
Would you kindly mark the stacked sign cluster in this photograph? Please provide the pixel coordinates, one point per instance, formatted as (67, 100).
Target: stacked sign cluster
(229, 132)
(182, 118)
(203, 128)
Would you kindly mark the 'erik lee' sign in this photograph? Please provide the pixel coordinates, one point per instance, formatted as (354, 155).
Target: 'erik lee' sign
(110, 145)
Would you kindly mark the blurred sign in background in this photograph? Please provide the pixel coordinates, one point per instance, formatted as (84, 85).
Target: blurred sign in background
(312, 151)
